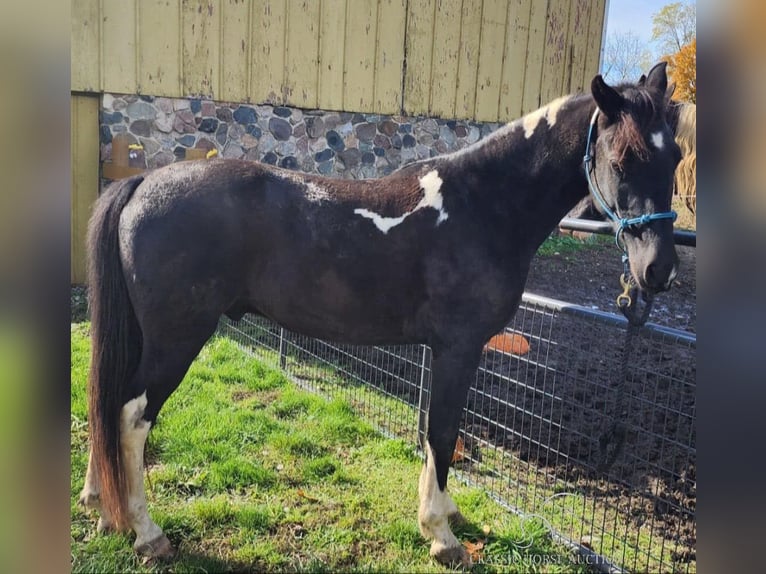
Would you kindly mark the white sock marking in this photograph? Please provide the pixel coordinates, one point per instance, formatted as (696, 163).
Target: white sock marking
(658, 140)
(431, 184)
(133, 432)
(435, 507)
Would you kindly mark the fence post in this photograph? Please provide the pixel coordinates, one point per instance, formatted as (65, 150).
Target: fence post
(423, 401)
(282, 354)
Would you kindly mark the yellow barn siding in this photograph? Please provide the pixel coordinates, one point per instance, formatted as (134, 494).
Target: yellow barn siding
(201, 22)
(86, 46)
(360, 56)
(512, 84)
(331, 54)
(556, 52)
(419, 41)
(119, 52)
(468, 59)
(85, 177)
(446, 50)
(389, 56)
(579, 23)
(159, 48)
(268, 51)
(491, 49)
(490, 60)
(302, 53)
(533, 69)
(594, 37)
(235, 51)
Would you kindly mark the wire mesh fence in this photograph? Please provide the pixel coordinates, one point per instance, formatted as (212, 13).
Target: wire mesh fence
(538, 429)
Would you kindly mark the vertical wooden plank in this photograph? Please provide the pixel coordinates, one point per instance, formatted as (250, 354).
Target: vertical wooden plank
(159, 41)
(556, 54)
(595, 39)
(512, 85)
(332, 38)
(468, 59)
(301, 53)
(268, 51)
(533, 69)
(85, 45)
(359, 71)
(419, 41)
(389, 56)
(579, 23)
(200, 47)
(446, 47)
(119, 47)
(235, 51)
(84, 158)
(491, 49)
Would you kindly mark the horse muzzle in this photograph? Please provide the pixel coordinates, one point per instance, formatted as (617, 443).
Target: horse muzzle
(657, 276)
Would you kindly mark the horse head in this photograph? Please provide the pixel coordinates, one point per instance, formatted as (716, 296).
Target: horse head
(630, 161)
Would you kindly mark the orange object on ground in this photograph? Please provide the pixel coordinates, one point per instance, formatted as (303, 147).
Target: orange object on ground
(511, 343)
(459, 453)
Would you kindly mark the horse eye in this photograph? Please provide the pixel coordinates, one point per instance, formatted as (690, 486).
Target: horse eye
(616, 166)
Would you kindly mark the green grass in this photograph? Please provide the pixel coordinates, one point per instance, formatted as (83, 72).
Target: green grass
(249, 473)
(558, 244)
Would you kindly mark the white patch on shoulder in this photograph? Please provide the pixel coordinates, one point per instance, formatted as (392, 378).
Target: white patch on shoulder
(431, 184)
(549, 113)
(658, 140)
(382, 223)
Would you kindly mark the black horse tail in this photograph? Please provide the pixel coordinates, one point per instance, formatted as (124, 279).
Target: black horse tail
(115, 347)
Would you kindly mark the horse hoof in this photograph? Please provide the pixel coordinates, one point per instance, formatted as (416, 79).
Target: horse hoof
(451, 556)
(158, 549)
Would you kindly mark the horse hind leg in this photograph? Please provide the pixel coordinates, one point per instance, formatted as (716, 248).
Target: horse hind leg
(90, 498)
(452, 374)
(163, 365)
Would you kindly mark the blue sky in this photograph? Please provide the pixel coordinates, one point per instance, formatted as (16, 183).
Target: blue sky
(633, 16)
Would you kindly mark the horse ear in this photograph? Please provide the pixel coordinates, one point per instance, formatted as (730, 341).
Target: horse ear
(642, 80)
(669, 93)
(609, 101)
(657, 78)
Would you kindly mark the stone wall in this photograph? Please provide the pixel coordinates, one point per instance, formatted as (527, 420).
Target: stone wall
(339, 144)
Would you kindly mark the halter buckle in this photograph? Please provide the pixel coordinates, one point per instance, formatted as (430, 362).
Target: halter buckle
(624, 299)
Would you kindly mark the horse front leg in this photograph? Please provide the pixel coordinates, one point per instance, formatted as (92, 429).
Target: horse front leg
(452, 375)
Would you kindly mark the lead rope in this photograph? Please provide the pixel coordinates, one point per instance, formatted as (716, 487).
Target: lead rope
(612, 440)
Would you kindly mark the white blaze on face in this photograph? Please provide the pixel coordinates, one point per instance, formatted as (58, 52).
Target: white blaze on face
(436, 506)
(431, 184)
(133, 432)
(549, 113)
(658, 140)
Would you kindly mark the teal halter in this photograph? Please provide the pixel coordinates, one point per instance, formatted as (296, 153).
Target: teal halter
(622, 222)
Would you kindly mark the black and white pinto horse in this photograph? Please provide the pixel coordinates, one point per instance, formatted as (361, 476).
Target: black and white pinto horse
(437, 253)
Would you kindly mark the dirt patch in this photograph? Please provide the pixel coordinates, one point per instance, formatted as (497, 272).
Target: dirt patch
(590, 277)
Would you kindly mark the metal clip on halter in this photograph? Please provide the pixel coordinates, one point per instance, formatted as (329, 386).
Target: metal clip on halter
(624, 299)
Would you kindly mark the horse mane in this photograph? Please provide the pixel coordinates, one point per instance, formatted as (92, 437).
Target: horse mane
(633, 123)
(685, 181)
